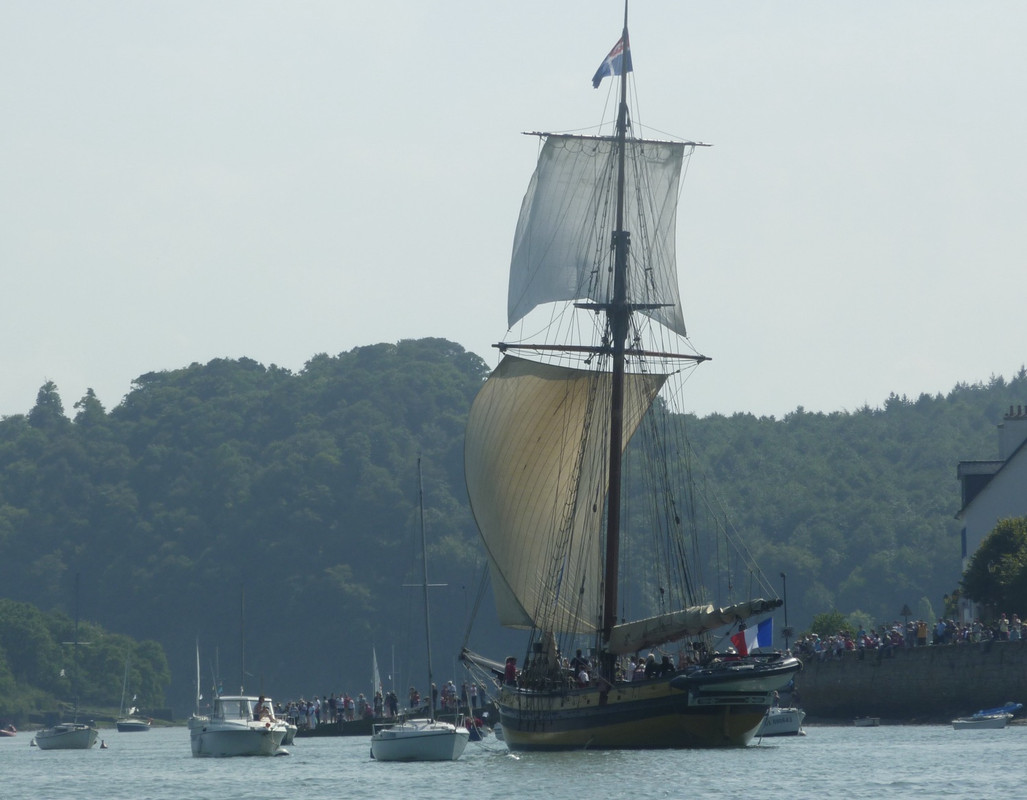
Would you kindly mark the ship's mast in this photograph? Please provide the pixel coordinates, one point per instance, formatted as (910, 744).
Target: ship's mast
(618, 314)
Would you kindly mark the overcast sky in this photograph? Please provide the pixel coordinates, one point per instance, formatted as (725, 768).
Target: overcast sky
(182, 181)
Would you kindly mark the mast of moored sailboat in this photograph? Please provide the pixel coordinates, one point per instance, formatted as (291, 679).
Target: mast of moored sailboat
(427, 616)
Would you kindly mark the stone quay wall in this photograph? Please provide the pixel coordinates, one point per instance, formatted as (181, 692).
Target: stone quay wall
(914, 684)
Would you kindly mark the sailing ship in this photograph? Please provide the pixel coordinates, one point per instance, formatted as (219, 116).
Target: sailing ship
(553, 482)
(421, 739)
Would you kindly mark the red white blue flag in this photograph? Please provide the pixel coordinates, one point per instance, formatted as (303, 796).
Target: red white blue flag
(752, 638)
(618, 61)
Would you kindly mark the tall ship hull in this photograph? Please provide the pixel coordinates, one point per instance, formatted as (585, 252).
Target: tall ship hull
(720, 706)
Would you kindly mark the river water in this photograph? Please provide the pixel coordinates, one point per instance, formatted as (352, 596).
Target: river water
(901, 761)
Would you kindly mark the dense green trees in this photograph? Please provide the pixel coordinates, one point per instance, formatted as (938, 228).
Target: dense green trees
(273, 515)
(45, 660)
(997, 574)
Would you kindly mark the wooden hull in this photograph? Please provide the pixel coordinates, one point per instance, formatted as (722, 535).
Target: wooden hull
(721, 708)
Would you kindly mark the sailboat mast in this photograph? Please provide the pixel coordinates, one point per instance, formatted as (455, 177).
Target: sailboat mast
(424, 564)
(199, 694)
(618, 314)
(124, 686)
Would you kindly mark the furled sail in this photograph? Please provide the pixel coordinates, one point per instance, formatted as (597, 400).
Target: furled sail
(536, 474)
(562, 244)
(630, 637)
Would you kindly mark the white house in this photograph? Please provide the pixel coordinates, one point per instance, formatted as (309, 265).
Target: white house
(994, 490)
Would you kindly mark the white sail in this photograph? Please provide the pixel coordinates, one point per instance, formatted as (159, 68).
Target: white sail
(536, 473)
(562, 244)
(376, 679)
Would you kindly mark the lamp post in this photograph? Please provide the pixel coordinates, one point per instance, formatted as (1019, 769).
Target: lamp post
(787, 631)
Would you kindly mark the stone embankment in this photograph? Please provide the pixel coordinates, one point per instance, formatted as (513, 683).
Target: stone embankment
(914, 684)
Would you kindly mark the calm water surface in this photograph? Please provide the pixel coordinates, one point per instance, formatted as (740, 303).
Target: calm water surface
(887, 762)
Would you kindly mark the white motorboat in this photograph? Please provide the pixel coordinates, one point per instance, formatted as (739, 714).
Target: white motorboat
(419, 740)
(235, 728)
(132, 725)
(988, 718)
(67, 736)
(985, 721)
(782, 722)
(867, 722)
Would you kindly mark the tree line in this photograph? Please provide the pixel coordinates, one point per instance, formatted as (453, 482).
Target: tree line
(272, 515)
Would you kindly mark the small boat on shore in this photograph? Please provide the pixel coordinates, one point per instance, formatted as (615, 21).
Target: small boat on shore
(987, 722)
(988, 718)
(867, 722)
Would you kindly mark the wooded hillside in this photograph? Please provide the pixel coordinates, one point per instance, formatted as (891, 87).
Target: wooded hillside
(273, 515)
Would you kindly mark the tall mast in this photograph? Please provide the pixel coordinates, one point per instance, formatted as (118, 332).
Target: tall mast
(424, 563)
(618, 315)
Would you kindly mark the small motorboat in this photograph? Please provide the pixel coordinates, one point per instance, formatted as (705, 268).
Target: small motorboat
(867, 722)
(782, 722)
(986, 722)
(988, 718)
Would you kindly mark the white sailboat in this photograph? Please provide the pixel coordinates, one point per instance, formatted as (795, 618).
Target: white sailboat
(553, 482)
(129, 723)
(782, 722)
(425, 739)
(72, 735)
(66, 736)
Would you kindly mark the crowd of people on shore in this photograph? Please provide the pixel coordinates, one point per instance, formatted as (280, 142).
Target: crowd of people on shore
(580, 670)
(913, 633)
(344, 707)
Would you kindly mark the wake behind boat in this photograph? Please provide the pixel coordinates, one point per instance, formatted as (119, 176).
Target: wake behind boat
(558, 494)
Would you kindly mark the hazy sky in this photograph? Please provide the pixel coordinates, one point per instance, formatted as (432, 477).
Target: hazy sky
(182, 181)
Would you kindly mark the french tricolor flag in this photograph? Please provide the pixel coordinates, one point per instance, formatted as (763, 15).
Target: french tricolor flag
(618, 61)
(752, 638)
